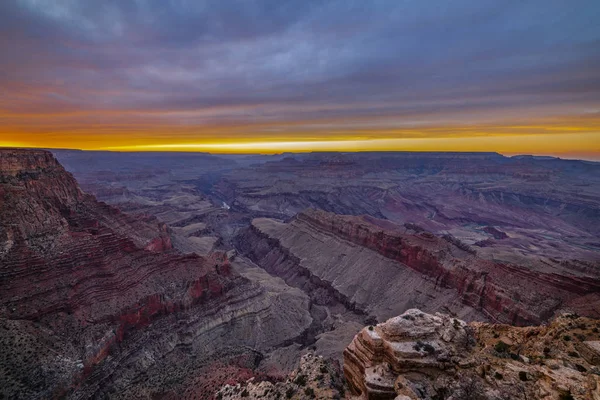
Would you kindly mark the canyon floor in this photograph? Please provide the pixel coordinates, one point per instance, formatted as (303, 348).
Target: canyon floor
(161, 275)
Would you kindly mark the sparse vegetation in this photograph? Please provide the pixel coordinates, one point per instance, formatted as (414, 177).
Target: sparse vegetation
(566, 396)
(300, 380)
(580, 368)
(470, 388)
(523, 376)
(501, 347)
(455, 323)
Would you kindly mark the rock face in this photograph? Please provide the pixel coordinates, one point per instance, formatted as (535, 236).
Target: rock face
(383, 269)
(95, 303)
(423, 356)
(311, 253)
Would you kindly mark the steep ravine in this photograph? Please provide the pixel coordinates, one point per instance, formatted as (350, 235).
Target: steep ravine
(367, 266)
(332, 270)
(276, 260)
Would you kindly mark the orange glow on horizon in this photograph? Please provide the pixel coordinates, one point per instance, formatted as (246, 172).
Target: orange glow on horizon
(583, 146)
(572, 137)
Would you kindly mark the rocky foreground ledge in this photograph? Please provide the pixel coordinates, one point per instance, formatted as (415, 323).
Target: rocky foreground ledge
(437, 357)
(423, 356)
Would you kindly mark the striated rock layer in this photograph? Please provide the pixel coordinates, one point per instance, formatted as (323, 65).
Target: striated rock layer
(96, 303)
(384, 269)
(423, 356)
(317, 259)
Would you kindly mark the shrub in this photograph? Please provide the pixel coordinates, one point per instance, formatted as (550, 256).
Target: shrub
(523, 376)
(289, 393)
(300, 380)
(428, 348)
(566, 396)
(245, 393)
(498, 376)
(580, 368)
(566, 338)
(470, 389)
(501, 347)
(309, 392)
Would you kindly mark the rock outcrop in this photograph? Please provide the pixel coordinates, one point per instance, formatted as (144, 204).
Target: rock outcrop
(422, 356)
(95, 303)
(316, 377)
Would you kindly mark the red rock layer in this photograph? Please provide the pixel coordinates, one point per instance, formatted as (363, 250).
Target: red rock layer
(507, 293)
(81, 275)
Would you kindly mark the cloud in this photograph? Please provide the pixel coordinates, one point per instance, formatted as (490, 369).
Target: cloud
(209, 62)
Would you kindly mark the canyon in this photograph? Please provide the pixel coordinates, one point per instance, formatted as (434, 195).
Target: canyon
(96, 303)
(153, 275)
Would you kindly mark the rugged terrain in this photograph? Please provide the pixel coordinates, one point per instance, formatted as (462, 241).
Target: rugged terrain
(203, 271)
(533, 211)
(383, 269)
(96, 303)
(423, 356)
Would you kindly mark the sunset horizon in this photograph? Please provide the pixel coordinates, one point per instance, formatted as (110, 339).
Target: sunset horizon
(301, 76)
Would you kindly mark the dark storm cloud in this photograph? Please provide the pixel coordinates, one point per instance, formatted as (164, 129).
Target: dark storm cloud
(283, 59)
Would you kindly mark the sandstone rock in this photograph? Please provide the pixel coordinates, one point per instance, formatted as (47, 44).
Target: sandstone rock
(422, 356)
(590, 350)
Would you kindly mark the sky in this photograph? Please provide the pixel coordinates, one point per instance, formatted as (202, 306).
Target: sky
(302, 75)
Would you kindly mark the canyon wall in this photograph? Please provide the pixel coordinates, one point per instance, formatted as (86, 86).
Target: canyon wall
(94, 302)
(371, 262)
(320, 261)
